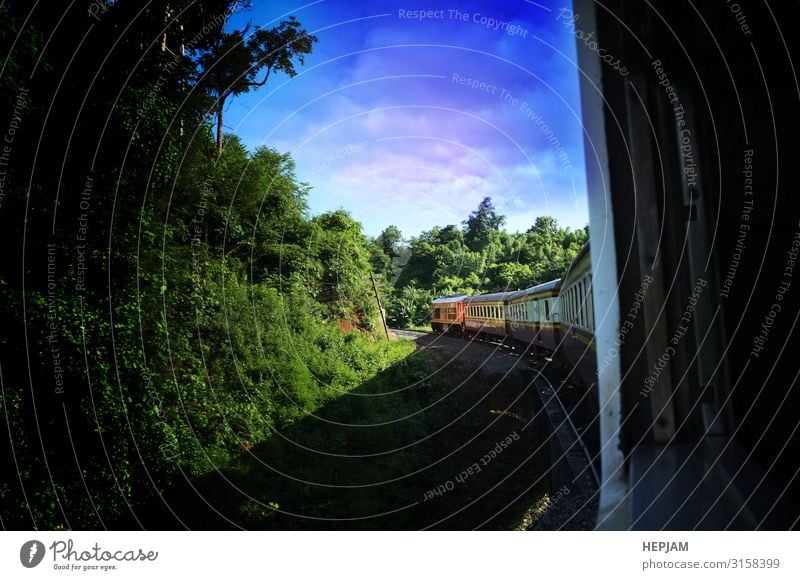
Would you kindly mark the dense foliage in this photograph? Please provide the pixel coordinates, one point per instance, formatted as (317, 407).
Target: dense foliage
(168, 305)
(164, 307)
(478, 257)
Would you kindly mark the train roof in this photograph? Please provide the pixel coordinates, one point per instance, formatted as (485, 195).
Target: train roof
(493, 297)
(448, 299)
(552, 285)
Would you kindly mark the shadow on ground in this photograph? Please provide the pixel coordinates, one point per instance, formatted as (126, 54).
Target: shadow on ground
(436, 441)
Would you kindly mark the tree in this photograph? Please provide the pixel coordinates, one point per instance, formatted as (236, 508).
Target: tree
(233, 63)
(550, 249)
(483, 226)
(389, 241)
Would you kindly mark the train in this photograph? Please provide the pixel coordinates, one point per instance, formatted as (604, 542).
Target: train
(693, 341)
(554, 320)
(697, 400)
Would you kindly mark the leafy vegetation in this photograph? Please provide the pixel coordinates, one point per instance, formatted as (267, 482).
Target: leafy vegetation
(478, 257)
(177, 305)
(174, 307)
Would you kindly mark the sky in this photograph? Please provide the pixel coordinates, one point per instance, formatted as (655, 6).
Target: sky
(410, 113)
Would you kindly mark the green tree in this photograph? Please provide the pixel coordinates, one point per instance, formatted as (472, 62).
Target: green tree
(483, 226)
(233, 63)
(389, 240)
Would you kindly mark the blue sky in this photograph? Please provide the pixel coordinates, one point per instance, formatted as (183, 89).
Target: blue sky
(411, 122)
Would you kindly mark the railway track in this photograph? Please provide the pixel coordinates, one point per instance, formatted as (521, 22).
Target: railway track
(569, 435)
(412, 334)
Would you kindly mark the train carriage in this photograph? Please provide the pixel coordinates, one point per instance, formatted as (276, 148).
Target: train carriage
(486, 314)
(447, 314)
(533, 316)
(577, 318)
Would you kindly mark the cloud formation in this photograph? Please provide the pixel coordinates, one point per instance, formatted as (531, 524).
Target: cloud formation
(411, 121)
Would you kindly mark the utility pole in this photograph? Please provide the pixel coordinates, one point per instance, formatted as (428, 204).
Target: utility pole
(380, 306)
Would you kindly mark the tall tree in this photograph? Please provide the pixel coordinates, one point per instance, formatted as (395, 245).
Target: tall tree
(389, 241)
(234, 62)
(483, 226)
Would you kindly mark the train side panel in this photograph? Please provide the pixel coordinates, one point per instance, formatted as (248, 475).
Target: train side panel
(577, 313)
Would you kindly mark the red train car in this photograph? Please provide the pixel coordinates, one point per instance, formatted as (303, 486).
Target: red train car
(447, 314)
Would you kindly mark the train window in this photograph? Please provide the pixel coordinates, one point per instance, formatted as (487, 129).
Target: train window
(585, 304)
(568, 319)
(547, 309)
(586, 310)
(571, 306)
(574, 304)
